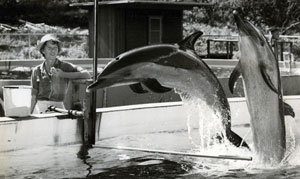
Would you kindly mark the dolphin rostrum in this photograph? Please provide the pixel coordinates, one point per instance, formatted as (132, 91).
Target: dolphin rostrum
(261, 77)
(164, 67)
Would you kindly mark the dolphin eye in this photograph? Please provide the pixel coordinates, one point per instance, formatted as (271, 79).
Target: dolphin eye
(127, 73)
(117, 58)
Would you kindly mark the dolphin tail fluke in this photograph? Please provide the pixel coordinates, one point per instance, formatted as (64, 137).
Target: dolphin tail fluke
(189, 42)
(236, 140)
(236, 73)
(288, 110)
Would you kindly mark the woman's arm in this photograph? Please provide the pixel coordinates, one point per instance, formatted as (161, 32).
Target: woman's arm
(34, 91)
(33, 102)
(84, 74)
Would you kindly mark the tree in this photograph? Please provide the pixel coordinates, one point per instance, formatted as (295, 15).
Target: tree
(217, 14)
(52, 12)
(264, 13)
(272, 13)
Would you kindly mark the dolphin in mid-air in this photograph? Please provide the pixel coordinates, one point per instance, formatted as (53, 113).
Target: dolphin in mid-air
(261, 77)
(164, 67)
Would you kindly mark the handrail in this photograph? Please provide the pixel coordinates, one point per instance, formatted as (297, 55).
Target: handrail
(88, 62)
(204, 36)
(42, 33)
(236, 36)
(83, 62)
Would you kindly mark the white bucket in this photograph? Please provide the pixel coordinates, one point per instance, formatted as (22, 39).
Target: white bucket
(17, 101)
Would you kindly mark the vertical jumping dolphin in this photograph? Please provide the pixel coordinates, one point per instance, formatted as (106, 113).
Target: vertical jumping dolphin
(260, 71)
(163, 67)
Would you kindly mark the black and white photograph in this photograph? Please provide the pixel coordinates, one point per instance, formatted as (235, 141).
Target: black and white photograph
(152, 89)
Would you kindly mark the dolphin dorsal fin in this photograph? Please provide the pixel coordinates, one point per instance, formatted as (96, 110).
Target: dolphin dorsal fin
(189, 42)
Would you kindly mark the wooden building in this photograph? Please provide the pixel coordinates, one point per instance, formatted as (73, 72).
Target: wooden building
(124, 25)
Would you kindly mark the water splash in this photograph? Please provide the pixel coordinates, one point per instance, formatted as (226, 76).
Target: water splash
(208, 124)
(292, 155)
(225, 168)
(203, 119)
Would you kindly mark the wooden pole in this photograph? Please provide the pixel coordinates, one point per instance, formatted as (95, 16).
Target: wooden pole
(95, 40)
(90, 101)
(93, 116)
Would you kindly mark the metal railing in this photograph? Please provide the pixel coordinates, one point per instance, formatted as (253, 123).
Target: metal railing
(6, 65)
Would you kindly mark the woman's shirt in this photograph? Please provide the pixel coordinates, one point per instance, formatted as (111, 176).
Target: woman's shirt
(49, 87)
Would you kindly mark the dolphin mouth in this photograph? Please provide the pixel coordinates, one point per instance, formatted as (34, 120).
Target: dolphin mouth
(247, 29)
(243, 26)
(95, 85)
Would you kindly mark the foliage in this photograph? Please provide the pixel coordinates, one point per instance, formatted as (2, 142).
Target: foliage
(263, 13)
(21, 47)
(218, 18)
(278, 13)
(52, 12)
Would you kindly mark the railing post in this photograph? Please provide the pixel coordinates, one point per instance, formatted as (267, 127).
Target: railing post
(88, 123)
(231, 43)
(227, 49)
(281, 50)
(208, 48)
(29, 45)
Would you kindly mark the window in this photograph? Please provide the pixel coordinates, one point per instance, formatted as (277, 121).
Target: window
(155, 30)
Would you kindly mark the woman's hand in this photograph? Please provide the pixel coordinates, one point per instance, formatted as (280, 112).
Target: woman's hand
(57, 72)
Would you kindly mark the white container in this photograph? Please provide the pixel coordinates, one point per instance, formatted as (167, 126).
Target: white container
(17, 101)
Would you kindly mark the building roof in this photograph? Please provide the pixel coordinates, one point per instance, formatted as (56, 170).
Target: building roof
(144, 4)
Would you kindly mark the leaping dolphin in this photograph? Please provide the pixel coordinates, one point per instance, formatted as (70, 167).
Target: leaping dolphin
(261, 76)
(163, 67)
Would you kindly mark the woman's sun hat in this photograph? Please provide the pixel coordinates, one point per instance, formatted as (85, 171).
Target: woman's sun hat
(45, 38)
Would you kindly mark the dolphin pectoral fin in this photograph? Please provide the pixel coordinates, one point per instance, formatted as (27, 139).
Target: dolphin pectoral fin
(267, 79)
(189, 42)
(236, 73)
(235, 139)
(155, 86)
(138, 88)
(288, 110)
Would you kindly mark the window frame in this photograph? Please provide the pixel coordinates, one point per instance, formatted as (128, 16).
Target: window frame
(150, 30)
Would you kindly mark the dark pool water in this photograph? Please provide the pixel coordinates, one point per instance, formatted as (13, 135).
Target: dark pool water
(64, 162)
